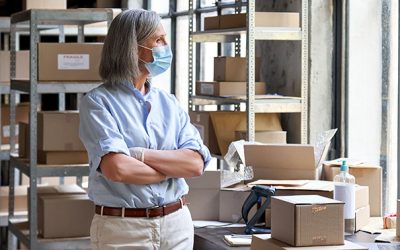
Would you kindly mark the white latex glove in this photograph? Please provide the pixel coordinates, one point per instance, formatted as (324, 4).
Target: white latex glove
(137, 153)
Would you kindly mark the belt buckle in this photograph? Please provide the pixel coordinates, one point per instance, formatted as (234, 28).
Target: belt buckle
(148, 211)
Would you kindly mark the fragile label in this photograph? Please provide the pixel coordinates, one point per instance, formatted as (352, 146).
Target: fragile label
(73, 62)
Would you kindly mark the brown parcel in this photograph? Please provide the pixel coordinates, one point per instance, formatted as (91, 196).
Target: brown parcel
(226, 123)
(211, 22)
(263, 242)
(22, 65)
(202, 121)
(366, 175)
(307, 220)
(74, 212)
(69, 61)
(20, 199)
(62, 157)
(58, 205)
(322, 188)
(361, 218)
(22, 115)
(267, 136)
(227, 88)
(233, 69)
(44, 4)
(262, 19)
(203, 195)
(50, 123)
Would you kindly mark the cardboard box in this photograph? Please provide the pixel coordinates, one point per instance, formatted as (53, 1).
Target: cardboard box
(203, 195)
(233, 69)
(62, 157)
(50, 123)
(44, 4)
(21, 115)
(362, 217)
(58, 205)
(227, 88)
(307, 220)
(62, 210)
(268, 136)
(226, 123)
(20, 200)
(366, 175)
(262, 19)
(211, 22)
(69, 61)
(22, 65)
(231, 202)
(281, 162)
(202, 121)
(311, 187)
(263, 242)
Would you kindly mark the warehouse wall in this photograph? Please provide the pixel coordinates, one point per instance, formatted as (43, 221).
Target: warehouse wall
(282, 66)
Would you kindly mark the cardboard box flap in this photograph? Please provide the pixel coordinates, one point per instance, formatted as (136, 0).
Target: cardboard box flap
(307, 199)
(351, 163)
(281, 156)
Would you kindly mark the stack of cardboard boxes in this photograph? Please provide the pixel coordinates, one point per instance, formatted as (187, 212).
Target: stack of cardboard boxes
(230, 78)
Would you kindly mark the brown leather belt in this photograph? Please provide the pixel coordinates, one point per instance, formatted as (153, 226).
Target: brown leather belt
(142, 212)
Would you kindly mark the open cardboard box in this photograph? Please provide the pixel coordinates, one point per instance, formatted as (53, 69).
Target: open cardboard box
(287, 161)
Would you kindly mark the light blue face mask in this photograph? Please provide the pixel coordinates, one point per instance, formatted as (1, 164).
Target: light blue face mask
(162, 58)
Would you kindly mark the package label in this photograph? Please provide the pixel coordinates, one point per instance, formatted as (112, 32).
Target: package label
(73, 62)
(207, 89)
(6, 130)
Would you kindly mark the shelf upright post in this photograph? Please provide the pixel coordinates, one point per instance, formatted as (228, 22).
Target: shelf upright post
(12, 175)
(304, 71)
(250, 52)
(190, 57)
(33, 95)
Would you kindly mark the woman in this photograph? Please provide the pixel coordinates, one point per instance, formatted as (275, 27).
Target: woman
(140, 143)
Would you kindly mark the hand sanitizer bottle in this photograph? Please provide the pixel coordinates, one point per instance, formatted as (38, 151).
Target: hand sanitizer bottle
(345, 191)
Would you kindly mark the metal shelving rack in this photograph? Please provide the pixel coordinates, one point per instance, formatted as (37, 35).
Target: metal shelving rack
(253, 104)
(37, 21)
(4, 87)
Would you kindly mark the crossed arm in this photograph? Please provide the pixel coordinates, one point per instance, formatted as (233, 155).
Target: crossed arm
(157, 165)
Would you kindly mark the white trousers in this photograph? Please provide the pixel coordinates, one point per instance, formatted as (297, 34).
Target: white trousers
(174, 231)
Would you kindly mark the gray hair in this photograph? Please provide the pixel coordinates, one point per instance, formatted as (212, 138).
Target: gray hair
(119, 59)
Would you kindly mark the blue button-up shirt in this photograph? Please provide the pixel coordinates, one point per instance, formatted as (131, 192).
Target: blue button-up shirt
(114, 118)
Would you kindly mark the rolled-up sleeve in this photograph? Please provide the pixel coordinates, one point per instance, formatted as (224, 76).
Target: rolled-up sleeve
(98, 131)
(189, 137)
